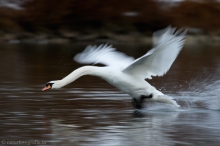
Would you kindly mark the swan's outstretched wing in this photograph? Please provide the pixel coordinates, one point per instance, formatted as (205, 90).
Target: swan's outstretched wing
(103, 54)
(157, 61)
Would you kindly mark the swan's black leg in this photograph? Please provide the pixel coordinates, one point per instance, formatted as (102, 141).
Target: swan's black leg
(138, 104)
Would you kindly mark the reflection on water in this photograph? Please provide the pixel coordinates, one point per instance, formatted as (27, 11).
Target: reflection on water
(92, 112)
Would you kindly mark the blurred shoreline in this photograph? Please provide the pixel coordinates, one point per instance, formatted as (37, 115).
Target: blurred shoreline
(70, 21)
(100, 37)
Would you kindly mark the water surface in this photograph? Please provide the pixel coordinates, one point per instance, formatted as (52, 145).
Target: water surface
(92, 112)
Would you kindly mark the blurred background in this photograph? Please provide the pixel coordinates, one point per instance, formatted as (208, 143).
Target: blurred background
(75, 20)
(39, 38)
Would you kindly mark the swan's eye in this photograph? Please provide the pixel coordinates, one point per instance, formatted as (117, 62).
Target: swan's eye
(49, 84)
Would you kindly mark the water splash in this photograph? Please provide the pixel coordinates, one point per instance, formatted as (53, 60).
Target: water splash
(202, 92)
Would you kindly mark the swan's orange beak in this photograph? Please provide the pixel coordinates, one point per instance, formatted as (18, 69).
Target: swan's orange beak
(46, 88)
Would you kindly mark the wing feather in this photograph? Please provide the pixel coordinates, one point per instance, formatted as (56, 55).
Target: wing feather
(157, 61)
(103, 54)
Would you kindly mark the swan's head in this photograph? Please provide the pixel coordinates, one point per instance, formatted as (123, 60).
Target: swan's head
(52, 85)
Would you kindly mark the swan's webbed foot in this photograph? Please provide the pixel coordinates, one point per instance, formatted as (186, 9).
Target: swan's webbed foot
(138, 104)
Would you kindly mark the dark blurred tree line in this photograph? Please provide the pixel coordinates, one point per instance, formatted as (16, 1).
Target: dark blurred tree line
(109, 15)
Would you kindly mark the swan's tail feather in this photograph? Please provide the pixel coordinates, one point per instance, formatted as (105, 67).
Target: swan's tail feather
(167, 99)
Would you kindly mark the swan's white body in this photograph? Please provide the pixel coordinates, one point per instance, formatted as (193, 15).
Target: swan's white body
(128, 74)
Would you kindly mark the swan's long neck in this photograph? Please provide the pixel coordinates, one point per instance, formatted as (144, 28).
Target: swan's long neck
(86, 70)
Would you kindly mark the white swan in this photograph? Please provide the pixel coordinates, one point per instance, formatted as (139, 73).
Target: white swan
(128, 74)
